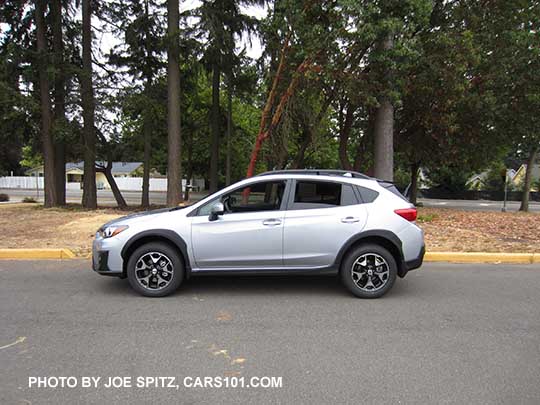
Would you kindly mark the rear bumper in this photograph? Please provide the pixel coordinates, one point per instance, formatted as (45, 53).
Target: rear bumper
(414, 263)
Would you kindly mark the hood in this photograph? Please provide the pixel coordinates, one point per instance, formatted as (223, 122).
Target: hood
(135, 216)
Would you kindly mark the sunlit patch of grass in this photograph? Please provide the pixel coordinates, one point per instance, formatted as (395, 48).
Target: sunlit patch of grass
(424, 218)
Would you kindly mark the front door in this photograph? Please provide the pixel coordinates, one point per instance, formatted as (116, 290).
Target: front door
(248, 235)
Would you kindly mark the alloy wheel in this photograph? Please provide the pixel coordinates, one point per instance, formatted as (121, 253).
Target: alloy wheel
(370, 272)
(154, 271)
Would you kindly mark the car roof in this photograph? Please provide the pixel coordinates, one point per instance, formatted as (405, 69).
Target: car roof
(318, 172)
(333, 176)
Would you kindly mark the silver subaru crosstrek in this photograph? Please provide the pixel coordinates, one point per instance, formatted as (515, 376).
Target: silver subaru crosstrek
(280, 222)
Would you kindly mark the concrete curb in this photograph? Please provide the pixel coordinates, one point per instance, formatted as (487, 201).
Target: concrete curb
(452, 257)
(482, 257)
(35, 254)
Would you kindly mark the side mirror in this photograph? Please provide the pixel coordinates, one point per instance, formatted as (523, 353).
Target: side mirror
(217, 210)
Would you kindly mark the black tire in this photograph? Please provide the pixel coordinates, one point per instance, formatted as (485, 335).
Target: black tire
(176, 266)
(355, 285)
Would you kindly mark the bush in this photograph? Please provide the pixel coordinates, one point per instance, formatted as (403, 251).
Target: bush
(4, 197)
(426, 217)
(29, 200)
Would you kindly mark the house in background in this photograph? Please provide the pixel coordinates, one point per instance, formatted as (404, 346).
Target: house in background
(478, 181)
(519, 178)
(75, 173)
(128, 177)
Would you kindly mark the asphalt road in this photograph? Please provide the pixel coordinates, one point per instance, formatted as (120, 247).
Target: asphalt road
(105, 197)
(444, 334)
(478, 205)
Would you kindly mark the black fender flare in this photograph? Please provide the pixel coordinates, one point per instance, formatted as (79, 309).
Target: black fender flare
(389, 236)
(171, 236)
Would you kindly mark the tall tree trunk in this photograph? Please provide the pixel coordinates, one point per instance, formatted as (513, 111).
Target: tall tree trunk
(107, 170)
(214, 148)
(59, 95)
(189, 168)
(413, 191)
(174, 155)
(344, 133)
(147, 134)
(60, 170)
(528, 180)
(384, 130)
(147, 130)
(365, 144)
(89, 197)
(229, 132)
(45, 100)
(145, 199)
(360, 153)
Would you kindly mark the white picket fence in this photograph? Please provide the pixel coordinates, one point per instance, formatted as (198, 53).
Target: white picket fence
(21, 182)
(124, 183)
(135, 184)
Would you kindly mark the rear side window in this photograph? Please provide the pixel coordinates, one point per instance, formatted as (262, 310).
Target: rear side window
(368, 195)
(393, 189)
(322, 194)
(347, 195)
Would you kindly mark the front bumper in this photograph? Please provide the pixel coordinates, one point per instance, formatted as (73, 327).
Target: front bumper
(100, 262)
(106, 259)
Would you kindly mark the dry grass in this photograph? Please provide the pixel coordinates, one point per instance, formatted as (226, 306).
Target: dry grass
(480, 231)
(31, 226)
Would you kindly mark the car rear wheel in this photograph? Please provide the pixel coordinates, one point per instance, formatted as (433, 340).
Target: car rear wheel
(369, 271)
(155, 270)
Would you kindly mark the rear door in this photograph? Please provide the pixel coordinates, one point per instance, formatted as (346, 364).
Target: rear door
(250, 232)
(321, 216)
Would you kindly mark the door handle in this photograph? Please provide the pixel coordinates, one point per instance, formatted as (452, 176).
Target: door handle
(272, 222)
(350, 220)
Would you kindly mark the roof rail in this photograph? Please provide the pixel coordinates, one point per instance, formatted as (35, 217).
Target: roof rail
(319, 172)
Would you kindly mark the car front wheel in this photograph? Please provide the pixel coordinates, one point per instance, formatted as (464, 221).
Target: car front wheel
(155, 270)
(369, 271)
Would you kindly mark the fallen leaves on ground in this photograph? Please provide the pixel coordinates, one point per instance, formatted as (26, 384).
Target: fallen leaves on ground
(480, 231)
(223, 316)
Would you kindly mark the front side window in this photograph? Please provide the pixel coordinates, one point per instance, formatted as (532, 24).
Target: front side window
(262, 196)
(322, 194)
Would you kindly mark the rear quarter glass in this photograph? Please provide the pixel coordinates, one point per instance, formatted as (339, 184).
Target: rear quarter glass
(368, 195)
(393, 189)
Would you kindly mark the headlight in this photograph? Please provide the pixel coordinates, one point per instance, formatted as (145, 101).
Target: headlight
(112, 230)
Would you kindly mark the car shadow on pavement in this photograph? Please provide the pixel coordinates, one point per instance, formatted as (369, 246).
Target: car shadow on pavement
(328, 286)
(265, 285)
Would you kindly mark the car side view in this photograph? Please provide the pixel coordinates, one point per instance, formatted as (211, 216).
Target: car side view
(279, 222)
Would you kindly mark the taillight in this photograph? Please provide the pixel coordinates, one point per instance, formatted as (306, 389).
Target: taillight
(408, 213)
